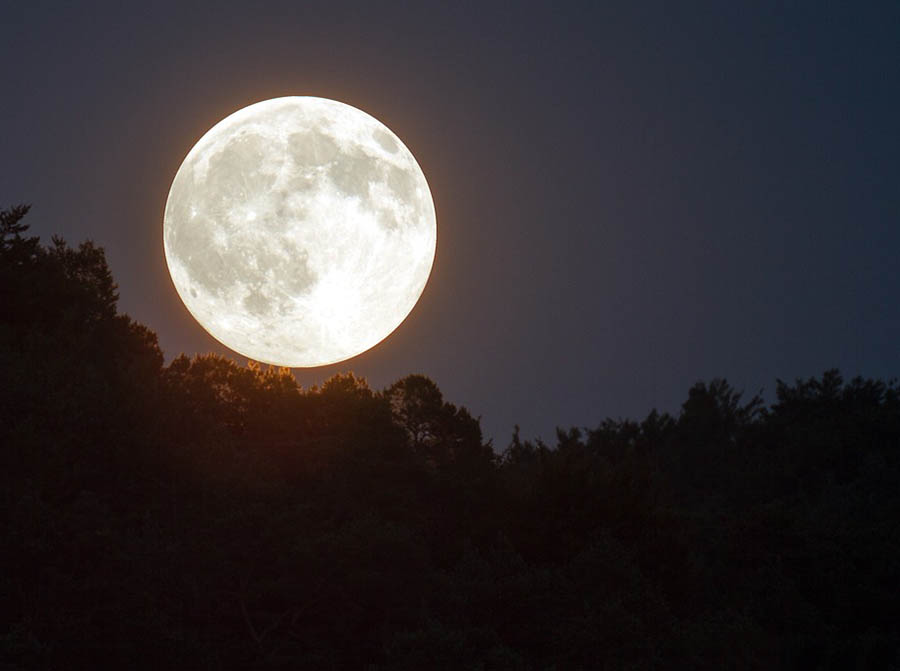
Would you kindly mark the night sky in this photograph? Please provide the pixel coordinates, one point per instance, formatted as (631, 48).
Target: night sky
(630, 197)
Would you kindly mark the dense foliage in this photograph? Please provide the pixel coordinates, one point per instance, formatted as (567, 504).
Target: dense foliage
(205, 515)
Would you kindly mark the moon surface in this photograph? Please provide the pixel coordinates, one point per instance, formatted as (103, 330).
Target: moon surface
(299, 231)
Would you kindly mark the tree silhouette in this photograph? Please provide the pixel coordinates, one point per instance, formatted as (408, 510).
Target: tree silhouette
(204, 514)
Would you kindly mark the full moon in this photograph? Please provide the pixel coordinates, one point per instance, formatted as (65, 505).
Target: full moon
(299, 231)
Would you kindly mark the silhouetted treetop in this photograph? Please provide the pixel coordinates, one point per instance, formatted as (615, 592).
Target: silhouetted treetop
(11, 227)
(714, 411)
(67, 288)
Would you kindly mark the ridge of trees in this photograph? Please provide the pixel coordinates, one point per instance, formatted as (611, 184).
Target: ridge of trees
(203, 514)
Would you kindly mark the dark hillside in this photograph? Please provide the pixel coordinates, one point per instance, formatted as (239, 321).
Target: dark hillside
(206, 515)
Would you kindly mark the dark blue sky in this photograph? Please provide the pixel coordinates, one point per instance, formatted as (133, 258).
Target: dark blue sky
(631, 197)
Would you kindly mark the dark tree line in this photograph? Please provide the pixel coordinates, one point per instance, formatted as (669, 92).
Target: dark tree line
(205, 515)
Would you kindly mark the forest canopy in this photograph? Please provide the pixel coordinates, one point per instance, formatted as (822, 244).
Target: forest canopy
(204, 514)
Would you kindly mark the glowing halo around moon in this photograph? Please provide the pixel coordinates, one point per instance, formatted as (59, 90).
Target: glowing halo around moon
(299, 231)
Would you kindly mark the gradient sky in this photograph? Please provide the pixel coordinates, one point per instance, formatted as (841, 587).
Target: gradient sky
(631, 197)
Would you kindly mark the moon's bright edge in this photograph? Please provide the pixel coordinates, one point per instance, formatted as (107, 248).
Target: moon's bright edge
(299, 231)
